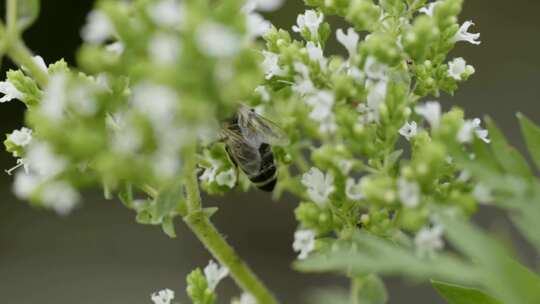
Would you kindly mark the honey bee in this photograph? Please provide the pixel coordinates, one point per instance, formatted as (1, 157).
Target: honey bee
(248, 139)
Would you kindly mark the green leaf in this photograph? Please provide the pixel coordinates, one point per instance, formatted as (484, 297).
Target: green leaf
(369, 289)
(456, 294)
(507, 156)
(168, 226)
(27, 13)
(169, 200)
(531, 132)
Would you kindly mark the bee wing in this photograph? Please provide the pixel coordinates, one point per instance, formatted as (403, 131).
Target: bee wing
(258, 129)
(243, 153)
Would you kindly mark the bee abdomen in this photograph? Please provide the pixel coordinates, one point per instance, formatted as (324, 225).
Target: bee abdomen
(266, 178)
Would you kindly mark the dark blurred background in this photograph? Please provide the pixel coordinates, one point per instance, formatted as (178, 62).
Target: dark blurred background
(100, 255)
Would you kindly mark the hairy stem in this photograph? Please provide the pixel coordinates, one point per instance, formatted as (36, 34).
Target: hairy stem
(206, 232)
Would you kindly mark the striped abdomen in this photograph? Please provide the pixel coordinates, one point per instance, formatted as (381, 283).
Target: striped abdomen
(266, 178)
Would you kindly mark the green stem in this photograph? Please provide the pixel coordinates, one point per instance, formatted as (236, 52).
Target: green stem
(22, 56)
(198, 221)
(15, 47)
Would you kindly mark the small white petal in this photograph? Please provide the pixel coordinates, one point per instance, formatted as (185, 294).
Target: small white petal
(470, 128)
(349, 40)
(319, 186)
(227, 178)
(164, 296)
(98, 28)
(456, 68)
(429, 240)
(164, 48)
(54, 98)
(429, 9)
(464, 35)
(315, 54)
(167, 13)
(304, 243)
(353, 190)
(257, 25)
(217, 40)
(10, 92)
(483, 194)
(431, 111)
(60, 196)
(21, 137)
(271, 65)
(214, 274)
(375, 70)
(409, 130)
(247, 298)
(116, 48)
(311, 20)
(409, 193)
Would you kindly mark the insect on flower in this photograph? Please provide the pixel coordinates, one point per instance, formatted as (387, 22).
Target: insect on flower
(249, 138)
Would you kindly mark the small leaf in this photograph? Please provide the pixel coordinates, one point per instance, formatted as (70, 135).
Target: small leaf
(169, 200)
(531, 132)
(168, 226)
(369, 290)
(126, 196)
(456, 294)
(27, 13)
(507, 156)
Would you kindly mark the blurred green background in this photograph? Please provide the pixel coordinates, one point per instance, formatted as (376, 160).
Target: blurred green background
(100, 255)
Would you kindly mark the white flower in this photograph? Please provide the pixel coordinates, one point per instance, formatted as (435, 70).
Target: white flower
(375, 70)
(43, 161)
(483, 194)
(54, 98)
(10, 92)
(60, 196)
(369, 112)
(209, 174)
(21, 137)
(304, 243)
(310, 19)
(356, 74)
(257, 25)
(227, 178)
(164, 296)
(470, 127)
(349, 40)
(303, 84)
(464, 35)
(457, 67)
(214, 274)
(319, 187)
(156, 101)
(217, 40)
(263, 5)
(116, 48)
(83, 101)
(25, 184)
(408, 192)
(164, 48)
(167, 13)
(409, 130)
(247, 298)
(353, 190)
(98, 28)
(271, 65)
(429, 240)
(322, 103)
(315, 53)
(429, 9)
(263, 92)
(431, 111)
